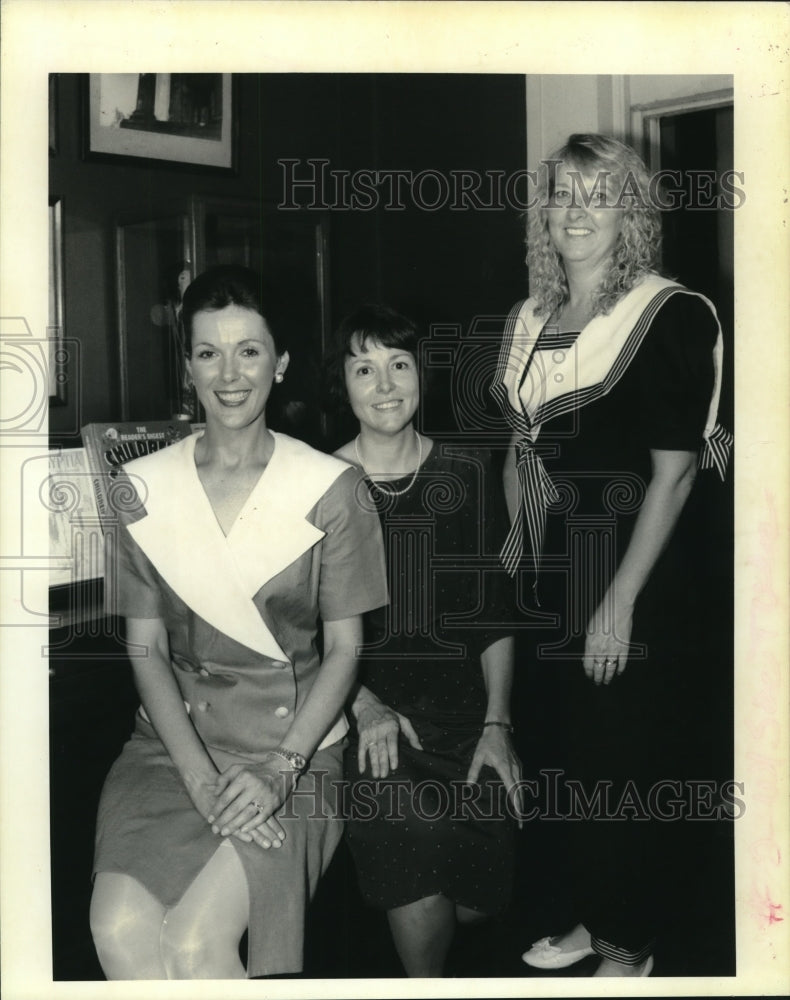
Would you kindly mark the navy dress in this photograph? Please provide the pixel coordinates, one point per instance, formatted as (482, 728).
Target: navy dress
(422, 831)
(618, 741)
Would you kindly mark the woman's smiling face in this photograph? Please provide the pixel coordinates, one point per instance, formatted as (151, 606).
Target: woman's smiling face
(233, 364)
(383, 385)
(583, 234)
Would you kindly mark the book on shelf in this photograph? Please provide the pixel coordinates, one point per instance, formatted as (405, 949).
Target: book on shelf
(75, 536)
(108, 446)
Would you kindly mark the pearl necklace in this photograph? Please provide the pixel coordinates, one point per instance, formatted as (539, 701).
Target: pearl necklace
(387, 492)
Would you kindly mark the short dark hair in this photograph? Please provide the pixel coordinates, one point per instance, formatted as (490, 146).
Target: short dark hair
(232, 285)
(371, 321)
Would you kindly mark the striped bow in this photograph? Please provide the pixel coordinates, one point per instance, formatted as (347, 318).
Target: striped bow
(716, 451)
(535, 492)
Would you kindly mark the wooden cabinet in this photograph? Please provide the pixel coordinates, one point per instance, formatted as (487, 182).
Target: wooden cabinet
(157, 258)
(92, 701)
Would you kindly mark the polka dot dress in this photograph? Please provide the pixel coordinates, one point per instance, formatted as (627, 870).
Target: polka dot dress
(423, 830)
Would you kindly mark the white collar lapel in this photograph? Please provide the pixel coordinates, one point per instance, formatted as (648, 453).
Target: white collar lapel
(271, 531)
(526, 330)
(217, 576)
(573, 376)
(592, 365)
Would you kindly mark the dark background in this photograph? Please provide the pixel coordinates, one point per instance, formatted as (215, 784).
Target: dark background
(445, 267)
(439, 267)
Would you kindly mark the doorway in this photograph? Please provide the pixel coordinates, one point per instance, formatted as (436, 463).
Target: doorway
(694, 140)
(698, 243)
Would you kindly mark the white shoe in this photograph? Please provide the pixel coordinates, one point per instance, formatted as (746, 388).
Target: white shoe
(545, 955)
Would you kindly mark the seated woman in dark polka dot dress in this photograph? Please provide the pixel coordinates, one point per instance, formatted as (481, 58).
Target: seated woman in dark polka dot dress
(428, 817)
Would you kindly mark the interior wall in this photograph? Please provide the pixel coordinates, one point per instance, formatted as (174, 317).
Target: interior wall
(441, 266)
(558, 105)
(645, 88)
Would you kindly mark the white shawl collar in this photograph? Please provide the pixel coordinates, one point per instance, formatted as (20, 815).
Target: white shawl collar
(542, 384)
(217, 576)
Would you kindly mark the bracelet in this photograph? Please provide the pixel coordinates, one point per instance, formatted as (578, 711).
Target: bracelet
(502, 725)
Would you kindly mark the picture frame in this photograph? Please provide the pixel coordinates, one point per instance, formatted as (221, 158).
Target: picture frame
(53, 113)
(57, 353)
(177, 119)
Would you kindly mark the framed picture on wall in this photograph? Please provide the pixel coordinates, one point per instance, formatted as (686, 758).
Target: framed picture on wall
(173, 118)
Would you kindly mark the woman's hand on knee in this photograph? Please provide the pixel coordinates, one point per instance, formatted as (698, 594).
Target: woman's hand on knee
(379, 728)
(495, 749)
(247, 800)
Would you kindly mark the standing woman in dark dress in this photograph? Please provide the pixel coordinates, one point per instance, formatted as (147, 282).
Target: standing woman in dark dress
(609, 375)
(433, 749)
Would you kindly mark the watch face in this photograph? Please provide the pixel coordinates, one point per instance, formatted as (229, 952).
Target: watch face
(296, 760)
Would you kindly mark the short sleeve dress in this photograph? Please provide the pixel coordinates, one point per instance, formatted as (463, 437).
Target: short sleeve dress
(598, 456)
(422, 830)
(242, 614)
(624, 737)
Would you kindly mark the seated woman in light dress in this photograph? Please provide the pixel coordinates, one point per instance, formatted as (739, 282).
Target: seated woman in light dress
(238, 545)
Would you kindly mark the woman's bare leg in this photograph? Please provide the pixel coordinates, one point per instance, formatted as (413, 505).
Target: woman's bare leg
(422, 932)
(575, 940)
(126, 922)
(136, 937)
(465, 915)
(201, 935)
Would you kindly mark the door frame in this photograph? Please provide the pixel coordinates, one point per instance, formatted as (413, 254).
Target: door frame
(646, 119)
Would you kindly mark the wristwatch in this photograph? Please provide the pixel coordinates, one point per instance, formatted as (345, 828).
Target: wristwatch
(294, 760)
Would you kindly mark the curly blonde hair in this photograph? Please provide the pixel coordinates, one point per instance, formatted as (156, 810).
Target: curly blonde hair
(637, 250)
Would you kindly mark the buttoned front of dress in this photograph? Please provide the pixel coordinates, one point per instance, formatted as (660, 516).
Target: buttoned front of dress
(242, 706)
(242, 610)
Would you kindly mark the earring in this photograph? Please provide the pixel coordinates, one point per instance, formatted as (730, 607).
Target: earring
(278, 377)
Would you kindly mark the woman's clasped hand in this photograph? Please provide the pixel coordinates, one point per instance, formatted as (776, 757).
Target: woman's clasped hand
(248, 799)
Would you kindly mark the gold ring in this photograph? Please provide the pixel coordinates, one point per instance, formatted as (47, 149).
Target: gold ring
(257, 806)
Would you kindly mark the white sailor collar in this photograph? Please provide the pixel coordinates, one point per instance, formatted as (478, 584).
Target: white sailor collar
(542, 384)
(216, 575)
